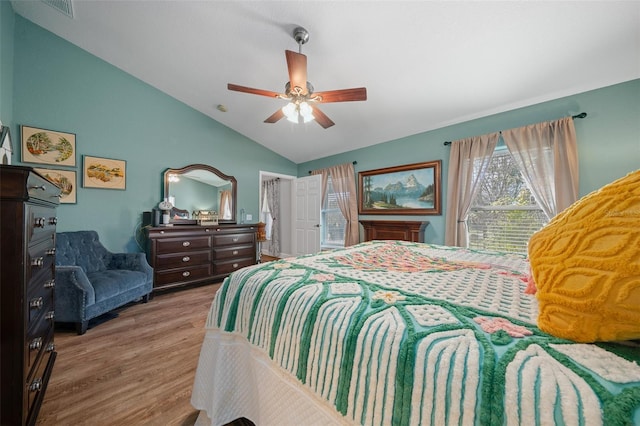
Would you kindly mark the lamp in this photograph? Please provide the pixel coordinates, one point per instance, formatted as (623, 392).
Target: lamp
(295, 110)
(166, 207)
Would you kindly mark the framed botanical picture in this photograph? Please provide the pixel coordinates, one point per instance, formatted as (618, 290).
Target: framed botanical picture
(105, 173)
(65, 179)
(48, 146)
(412, 189)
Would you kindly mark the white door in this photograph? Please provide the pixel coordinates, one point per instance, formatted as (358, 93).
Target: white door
(306, 212)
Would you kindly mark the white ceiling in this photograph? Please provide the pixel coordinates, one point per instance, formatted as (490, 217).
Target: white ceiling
(425, 64)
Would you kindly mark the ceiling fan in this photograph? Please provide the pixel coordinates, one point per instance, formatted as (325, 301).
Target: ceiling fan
(299, 92)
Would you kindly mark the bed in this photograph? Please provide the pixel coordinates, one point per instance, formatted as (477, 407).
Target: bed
(401, 333)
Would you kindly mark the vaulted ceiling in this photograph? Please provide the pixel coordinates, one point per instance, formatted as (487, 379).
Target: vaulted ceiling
(425, 64)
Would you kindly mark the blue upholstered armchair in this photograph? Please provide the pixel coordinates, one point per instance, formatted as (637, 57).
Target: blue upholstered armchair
(91, 281)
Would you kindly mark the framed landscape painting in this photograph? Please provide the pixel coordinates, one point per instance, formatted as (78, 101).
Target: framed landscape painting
(105, 173)
(44, 146)
(65, 179)
(412, 189)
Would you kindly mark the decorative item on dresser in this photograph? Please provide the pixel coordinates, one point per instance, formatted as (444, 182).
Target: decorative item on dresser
(27, 269)
(394, 230)
(191, 254)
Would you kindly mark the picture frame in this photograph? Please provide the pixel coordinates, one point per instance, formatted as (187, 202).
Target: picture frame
(65, 179)
(6, 146)
(104, 173)
(43, 146)
(412, 189)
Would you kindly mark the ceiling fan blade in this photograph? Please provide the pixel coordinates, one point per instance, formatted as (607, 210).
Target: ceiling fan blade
(275, 116)
(297, 65)
(344, 95)
(322, 118)
(251, 90)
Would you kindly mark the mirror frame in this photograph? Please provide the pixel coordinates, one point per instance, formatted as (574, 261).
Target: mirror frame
(191, 167)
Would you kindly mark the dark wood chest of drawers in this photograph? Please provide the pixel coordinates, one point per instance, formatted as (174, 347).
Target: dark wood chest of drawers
(27, 279)
(182, 255)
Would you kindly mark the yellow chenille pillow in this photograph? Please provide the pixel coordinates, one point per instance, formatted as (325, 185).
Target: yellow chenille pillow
(586, 266)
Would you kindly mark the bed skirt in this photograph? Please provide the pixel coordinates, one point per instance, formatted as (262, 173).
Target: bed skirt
(236, 379)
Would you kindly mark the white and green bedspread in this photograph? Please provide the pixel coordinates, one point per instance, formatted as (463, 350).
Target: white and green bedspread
(398, 333)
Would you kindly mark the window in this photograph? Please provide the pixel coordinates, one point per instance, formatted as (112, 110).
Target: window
(504, 214)
(332, 221)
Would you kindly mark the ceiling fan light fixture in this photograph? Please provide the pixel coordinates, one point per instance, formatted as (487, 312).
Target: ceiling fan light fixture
(290, 111)
(306, 112)
(294, 111)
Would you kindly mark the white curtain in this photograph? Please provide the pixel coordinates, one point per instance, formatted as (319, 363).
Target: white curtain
(547, 156)
(271, 189)
(468, 161)
(344, 187)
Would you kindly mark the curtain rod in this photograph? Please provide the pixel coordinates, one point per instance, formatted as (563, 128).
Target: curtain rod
(353, 162)
(581, 115)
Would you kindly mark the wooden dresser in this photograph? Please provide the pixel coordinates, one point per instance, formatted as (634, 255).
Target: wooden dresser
(27, 279)
(191, 254)
(394, 230)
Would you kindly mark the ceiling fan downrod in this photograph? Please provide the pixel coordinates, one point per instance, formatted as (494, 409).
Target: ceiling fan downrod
(301, 36)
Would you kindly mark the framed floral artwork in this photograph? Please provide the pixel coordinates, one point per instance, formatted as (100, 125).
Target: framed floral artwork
(44, 146)
(412, 189)
(104, 173)
(65, 180)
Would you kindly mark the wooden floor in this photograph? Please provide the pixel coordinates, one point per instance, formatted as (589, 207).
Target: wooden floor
(136, 369)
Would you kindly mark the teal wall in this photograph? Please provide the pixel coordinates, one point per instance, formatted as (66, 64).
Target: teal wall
(7, 21)
(61, 87)
(608, 142)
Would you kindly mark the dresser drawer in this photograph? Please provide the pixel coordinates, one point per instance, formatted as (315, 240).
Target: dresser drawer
(37, 384)
(40, 262)
(230, 239)
(178, 276)
(228, 266)
(233, 252)
(40, 223)
(39, 304)
(182, 244)
(39, 341)
(181, 260)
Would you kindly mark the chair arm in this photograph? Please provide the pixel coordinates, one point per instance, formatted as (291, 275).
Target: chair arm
(132, 262)
(73, 293)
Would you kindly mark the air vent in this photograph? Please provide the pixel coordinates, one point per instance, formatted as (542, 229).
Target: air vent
(63, 6)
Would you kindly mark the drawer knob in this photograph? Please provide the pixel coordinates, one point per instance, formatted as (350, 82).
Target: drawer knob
(186, 243)
(51, 251)
(50, 284)
(39, 222)
(51, 347)
(235, 252)
(42, 187)
(38, 261)
(50, 315)
(235, 265)
(186, 259)
(36, 344)
(235, 239)
(36, 303)
(36, 385)
(186, 273)
(53, 221)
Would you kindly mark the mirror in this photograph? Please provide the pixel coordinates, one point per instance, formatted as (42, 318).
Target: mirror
(200, 187)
